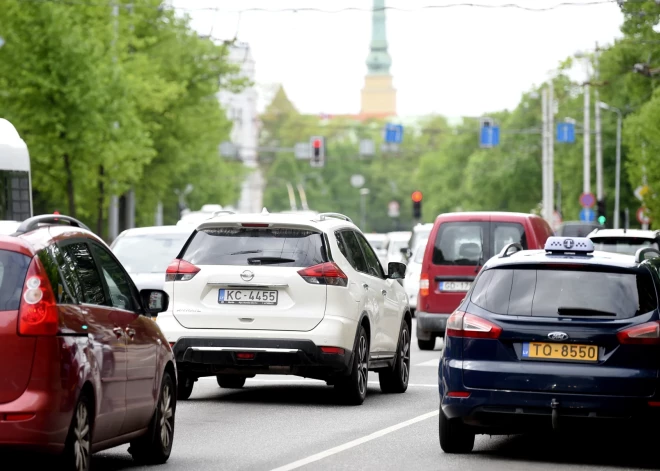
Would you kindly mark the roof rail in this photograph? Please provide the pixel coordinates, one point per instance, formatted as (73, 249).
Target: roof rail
(640, 255)
(505, 251)
(224, 211)
(54, 219)
(324, 216)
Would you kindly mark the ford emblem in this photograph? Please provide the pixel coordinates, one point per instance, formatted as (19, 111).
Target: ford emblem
(247, 275)
(557, 336)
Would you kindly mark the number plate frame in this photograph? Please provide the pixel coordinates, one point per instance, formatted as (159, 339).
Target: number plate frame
(248, 297)
(455, 286)
(529, 352)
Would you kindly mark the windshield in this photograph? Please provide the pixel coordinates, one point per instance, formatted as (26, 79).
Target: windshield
(624, 245)
(419, 254)
(545, 292)
(397, 245)
(150, 253)
(376, 243)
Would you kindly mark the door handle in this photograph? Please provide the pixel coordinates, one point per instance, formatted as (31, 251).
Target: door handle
(118, 332)
(130, 332)
(384, 292)
(365, 286)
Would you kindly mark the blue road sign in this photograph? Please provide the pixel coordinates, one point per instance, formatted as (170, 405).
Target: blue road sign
(393, 133)
(566, 132)
(490, 136)
(587, 215)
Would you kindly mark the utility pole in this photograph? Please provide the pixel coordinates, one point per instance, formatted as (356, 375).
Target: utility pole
(113, 209)
(551, 152)
(587, 137)
(599, 146)
(544, 149)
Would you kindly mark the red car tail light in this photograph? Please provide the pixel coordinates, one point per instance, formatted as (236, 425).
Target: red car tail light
(644, 334)
(462, 324)
(324, 274)
(424, 284)
(180, 270)
(37, 313)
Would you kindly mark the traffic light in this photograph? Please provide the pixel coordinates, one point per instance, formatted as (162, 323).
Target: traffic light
(602, 217)
(417, 204)
(317, 144)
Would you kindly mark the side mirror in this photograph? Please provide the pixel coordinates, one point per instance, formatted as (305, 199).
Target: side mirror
(404, 250)
(396, 270)
(154, 301)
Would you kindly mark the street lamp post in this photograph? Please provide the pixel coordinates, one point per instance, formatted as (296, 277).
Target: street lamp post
(363, 207)
(617, 177)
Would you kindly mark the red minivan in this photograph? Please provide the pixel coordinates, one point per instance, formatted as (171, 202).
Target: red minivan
(459, 245)
(84, 366)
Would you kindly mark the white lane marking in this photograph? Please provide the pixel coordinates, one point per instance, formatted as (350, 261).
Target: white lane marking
(434, 362)
(354, 443)
(319, 382)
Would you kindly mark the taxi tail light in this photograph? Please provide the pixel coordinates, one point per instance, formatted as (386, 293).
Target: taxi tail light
(644, 334)
(424, 284)
(37, 313)
(324, 274)
(180, 270)
(462, 324)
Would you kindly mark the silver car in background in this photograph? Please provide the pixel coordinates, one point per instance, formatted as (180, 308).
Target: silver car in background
(379, 242)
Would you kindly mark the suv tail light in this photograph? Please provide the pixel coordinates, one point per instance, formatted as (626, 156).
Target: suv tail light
(37, 313)
(462, 324)
(180, 270)
(424, 284)
(644, 334)
(324, 274)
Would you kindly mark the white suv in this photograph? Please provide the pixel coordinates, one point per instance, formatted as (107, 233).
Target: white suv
(286, 294)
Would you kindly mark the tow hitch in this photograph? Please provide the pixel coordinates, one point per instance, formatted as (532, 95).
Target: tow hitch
(554, 404)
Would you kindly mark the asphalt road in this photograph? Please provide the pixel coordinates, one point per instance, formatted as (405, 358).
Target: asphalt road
(285, 423)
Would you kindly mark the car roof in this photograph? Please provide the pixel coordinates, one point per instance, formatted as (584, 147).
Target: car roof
(542, 257)
(399, 235)
(375, 236)
(138, 231)
(320, 222)
(484, 216)
(621, 233)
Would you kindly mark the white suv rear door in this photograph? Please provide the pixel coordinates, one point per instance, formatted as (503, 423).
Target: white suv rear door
(248, 277)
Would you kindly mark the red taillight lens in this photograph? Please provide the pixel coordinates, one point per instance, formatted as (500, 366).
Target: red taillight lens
(333, 350)
(459, 394)
(37, 313)
(180, 270)
(424, 284)
(245, 356)
(644, 334)
(324, 274)
(461, 324)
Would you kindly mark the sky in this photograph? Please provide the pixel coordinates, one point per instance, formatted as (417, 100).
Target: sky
(456, 61)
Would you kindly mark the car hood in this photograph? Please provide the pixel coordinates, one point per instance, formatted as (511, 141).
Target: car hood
(148, 280)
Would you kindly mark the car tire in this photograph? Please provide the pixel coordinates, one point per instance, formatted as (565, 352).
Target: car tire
(155, 446)
(77, 454)
(426, 344)
(185, 387)
(395, 380)
(230, 381)
(455, 436)
(352, 389)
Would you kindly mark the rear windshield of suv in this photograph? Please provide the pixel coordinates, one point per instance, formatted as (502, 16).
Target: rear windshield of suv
(13, 268)
(625, 245)
(546, 292)
(472, 243)
(248, 246)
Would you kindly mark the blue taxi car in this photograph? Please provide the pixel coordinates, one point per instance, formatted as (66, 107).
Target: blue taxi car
(552, 339)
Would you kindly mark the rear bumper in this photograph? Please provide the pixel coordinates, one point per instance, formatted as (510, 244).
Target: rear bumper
(430, 325)
(211, 356)
(507, 412)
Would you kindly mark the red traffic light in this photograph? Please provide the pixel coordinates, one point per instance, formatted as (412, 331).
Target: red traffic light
(417, 196)
(316, 144)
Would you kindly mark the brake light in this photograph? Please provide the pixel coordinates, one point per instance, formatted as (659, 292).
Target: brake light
(462, 324)
(644, 334)
(324, 274)
(254, 225)
(180, 270)
(37, 313)
(424, 284)
(333, 350)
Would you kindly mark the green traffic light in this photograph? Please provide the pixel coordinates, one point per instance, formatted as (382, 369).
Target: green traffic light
(601, 220)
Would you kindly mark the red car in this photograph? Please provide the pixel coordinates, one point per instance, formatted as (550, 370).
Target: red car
(459, 245)
(84, 367)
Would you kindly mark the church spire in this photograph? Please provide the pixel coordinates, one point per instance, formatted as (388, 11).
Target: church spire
(378, 60)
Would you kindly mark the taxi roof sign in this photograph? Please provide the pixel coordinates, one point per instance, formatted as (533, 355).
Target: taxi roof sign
(569, 245)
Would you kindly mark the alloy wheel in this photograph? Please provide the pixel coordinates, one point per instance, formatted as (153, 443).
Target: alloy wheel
(81, 444)
(405, 356)
(363, 367)
(166, 417)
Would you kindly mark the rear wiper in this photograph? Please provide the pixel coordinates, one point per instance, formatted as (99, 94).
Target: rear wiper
(268, 260)
(246, 252)
(581, 311)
